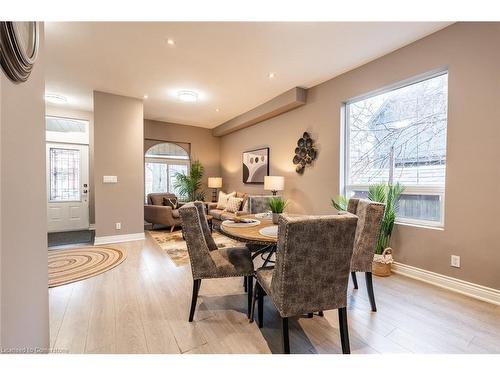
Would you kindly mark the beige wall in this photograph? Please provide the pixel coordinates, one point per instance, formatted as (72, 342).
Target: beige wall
(23, 241)
(471, 52)
(204, 146)
(118, 151)
(81, 115)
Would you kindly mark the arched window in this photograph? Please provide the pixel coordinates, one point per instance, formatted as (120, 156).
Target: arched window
(162, 162)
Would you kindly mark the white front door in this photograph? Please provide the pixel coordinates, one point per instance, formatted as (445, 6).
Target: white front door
(67, 187)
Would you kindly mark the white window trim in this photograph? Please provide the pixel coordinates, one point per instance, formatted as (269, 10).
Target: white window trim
(168, 161)
(73, 138)
(149, 159)
(409, 189)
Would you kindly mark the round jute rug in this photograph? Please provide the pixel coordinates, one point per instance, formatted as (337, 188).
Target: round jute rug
(68, 266)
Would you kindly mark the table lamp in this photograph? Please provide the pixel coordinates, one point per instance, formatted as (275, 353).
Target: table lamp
(214, 183)
(274, 183)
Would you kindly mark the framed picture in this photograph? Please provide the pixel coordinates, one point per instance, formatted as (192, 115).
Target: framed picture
(255, 166)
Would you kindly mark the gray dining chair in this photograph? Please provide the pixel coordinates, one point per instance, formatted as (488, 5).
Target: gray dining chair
(370, 215)
(207, 260)
(311, 271)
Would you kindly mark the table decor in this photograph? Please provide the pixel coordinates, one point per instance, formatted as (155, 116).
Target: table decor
(241, 222)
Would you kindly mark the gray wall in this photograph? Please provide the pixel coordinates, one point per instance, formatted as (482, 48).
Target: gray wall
(204, 146)
(118, 151)
(471, 52)
(23, 220)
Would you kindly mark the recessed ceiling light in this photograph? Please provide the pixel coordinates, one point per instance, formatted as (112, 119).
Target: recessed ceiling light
(271, 75)
(170, 42)
(145, 96)
(187, 96)
(217, 109)
(55, 99)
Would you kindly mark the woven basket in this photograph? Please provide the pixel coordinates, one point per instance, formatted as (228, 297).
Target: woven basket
(383, 268)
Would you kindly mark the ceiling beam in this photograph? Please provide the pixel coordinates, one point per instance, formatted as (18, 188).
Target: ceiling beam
(285, 102)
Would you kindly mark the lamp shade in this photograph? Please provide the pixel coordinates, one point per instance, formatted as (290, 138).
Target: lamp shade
(215, 182)
(274, 183)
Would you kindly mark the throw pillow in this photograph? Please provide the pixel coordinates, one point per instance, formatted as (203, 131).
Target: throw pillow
(233, 204)
(172, 202)
(245, 200)
(223, 198)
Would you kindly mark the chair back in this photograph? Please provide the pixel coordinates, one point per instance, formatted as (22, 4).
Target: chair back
(258, 203)
(202, 263)
(204, 225)
(370, 215)
(312, 263)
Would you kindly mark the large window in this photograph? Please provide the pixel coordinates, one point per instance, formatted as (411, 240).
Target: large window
(162, 162)
(400, 136)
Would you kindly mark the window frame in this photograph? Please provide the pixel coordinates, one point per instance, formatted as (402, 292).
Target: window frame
(70, 138)
(168, 160)
(410, 189)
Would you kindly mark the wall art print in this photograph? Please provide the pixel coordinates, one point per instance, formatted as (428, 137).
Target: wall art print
(255, 165)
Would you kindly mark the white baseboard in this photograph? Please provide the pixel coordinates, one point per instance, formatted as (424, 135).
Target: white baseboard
(480, 292)
(120, 238)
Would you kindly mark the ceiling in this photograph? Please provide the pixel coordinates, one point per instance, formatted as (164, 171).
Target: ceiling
(227, 64)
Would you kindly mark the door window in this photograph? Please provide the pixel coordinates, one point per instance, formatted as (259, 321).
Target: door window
(64, 175)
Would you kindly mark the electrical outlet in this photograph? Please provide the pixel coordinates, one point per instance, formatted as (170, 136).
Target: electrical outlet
(455, 261)
(118, 226)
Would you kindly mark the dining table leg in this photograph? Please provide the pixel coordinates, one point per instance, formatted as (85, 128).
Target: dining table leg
(271, 253)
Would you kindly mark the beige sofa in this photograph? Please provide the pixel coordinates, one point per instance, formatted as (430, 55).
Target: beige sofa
(156, 213)
(251, 204)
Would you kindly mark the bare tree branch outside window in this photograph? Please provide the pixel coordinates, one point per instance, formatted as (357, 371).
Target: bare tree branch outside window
(412, 122)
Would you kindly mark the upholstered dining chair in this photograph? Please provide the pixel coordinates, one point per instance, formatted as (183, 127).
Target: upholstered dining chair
(311, 272)
(370, 215)
(207, 260)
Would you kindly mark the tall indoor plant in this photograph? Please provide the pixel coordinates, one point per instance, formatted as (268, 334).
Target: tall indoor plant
(189, 185)
(388, 194)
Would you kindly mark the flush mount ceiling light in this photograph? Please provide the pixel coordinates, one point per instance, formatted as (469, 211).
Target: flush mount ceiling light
(217, 109)
(271, 75)
(170, 42)
(145, 96)
(55, 99)
(187, 96)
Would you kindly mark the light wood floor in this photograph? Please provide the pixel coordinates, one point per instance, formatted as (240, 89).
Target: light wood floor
(142, 307)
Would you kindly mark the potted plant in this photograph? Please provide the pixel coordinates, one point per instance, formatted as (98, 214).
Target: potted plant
(277, 206)
(340, 204)
(388, 194)
(189, 186)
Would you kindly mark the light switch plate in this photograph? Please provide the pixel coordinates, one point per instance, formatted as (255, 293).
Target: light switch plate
(109, 179)
(455, 261)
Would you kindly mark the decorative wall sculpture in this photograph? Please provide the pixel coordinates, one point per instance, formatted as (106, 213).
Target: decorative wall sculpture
(18, 48)
(255, 166)
(305, 153)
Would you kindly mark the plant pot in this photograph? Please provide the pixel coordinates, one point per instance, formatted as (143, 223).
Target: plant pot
(381, 265)
(275, 218)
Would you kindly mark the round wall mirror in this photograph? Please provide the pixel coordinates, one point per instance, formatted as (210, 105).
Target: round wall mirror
(18, 48)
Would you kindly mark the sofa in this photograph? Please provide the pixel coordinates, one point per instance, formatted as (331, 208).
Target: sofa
(251, 204)
(156, 213)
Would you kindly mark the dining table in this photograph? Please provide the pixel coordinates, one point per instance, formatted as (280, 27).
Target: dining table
(252, 235)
